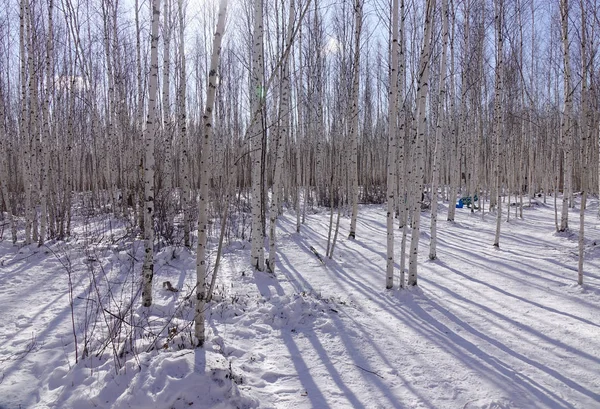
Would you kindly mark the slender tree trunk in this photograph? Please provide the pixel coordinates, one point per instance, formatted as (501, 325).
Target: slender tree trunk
(34, 121)
(421, 118)
(392, 147)
(566, 117)
(353, 164)
(337, 229)
(332, 190)
(138, 158)
(4, 176)
(24, 128)
(438, 133)
(401, 196)
(453, 149)
(256, 133)
(581, 238)
(166, 105)
(299, 132)
(111, 134)
(149, 164)
(186, 188)
(499, 17)
(281, 137)
(585, 125)
(46, 144)
(204, 176)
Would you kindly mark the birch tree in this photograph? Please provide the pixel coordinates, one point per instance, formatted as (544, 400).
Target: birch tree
(149, 164)
(453, 166)
(438, 132)
(392, 148)
(182, 126)
(498, 19)
(585, 133)
(565, 126)
(283, 121)
(166, 106)
(421, 118)
(401, 195)
(4, 179)
(256, 137)
(46, 143)
(24, 51)
(204, 176)
(353, 154)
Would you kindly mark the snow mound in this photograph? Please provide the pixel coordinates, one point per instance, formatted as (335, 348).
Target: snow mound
(491, 403)
(173, 380)
(292, 311)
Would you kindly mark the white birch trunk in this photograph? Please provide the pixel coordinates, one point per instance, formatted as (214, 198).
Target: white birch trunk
(281, 137)
(392, 145)
(499, 14)
(110, 152)
(453, 166)
(566, 117)
(138, 157)
(186, 188)
(298, 135)
(438, 132)
(421, 118)
(149, 164)
(4, 178)
(256, 137)
(204, 177)
(166, 98)
(401, 165)
(45, 144)
(34, 122)
(585, 126)
(353, 163)
(581, 242)
(23, 123)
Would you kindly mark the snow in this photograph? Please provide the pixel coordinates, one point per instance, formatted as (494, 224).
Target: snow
(486, 328)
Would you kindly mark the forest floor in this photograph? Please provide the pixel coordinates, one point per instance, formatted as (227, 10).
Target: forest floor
(486, 328)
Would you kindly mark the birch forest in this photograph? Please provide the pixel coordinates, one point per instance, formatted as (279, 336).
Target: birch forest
(197, 127)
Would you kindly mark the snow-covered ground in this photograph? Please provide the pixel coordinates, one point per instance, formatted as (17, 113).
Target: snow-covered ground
(486, 328)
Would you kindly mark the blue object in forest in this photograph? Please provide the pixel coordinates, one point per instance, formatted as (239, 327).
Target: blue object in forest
(467, 201)
(460, 204)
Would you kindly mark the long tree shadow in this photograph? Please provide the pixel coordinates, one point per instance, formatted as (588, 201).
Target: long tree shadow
(454, 295)
(552, 372)
(347, 336)
(530, 277)
(525, 300)
(312, 390)
(499, 372)
(414, 311)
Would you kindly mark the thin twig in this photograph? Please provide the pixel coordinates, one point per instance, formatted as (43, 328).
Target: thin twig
(366, 370)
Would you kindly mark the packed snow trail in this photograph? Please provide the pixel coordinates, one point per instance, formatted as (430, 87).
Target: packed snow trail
(486, 328)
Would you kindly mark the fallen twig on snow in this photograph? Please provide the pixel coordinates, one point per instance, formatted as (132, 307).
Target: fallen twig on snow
(317, 254)
(366, 370)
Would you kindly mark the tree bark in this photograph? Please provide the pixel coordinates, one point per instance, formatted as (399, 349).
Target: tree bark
(281, 137)
(256, 135)
(438, 132)
(499, 17)
(149, 164)
(353, 163)
(566, 117)
(421, 118)
(392, 148)
(204, 176)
